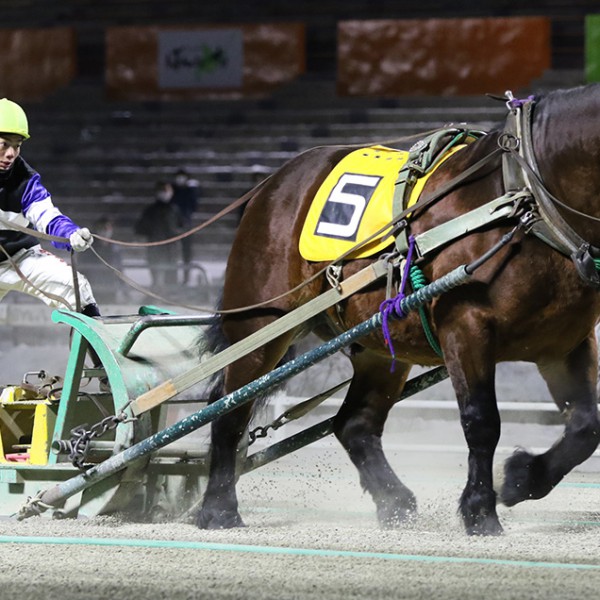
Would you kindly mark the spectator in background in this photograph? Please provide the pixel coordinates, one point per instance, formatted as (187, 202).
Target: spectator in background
(160, 221)
(185, 199)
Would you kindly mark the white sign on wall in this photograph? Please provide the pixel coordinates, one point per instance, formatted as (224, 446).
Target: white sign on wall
(200, 59)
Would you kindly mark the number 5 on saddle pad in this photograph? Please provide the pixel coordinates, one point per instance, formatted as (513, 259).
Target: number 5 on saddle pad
(355, 201)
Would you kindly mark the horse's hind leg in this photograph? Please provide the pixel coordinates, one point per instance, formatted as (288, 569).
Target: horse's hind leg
(220, 505)
(359, 426)
(572, 383)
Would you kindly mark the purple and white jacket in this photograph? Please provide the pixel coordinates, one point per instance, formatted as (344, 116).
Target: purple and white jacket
(25, 201)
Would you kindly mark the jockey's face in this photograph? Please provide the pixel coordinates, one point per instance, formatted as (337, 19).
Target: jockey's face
(10, 148)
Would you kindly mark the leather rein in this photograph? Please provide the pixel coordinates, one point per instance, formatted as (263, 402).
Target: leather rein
(521, 176)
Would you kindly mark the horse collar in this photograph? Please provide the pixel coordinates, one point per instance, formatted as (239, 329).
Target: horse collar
(521, 172)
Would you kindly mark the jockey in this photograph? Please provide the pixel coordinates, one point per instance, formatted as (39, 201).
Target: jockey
(24, 265)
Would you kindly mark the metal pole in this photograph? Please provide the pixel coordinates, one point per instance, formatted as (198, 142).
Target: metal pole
(325, 428)
(56, 495)
(150, 321)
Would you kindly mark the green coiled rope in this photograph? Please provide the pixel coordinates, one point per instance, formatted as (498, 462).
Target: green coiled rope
(418, 281)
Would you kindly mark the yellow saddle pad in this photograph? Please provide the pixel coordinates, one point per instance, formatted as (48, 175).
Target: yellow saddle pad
(354, 202)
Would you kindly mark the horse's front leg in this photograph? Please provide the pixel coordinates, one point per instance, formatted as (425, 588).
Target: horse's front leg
(572, 383)
(472, 371)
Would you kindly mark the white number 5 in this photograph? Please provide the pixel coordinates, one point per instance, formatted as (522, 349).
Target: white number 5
(343, 211)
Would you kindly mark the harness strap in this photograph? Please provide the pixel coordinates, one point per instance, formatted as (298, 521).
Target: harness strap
(172, 387)
(553, 222)
(504, 207)
(421, 158)
(551, 227)
(424, 157)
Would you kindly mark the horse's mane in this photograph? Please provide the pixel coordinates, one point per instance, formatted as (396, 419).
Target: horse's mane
(569, 119)
(568, 101)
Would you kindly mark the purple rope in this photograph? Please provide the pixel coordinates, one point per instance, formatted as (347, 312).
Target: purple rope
(392, 306)
(518, 103)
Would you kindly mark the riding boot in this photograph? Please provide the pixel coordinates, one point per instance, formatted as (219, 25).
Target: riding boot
(91, 310)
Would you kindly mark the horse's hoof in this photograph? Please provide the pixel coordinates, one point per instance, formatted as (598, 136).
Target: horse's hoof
(487, 526)
(477, 508)
(523, 479)
(218, 519)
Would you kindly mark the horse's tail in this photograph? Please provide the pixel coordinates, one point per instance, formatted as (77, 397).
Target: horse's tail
(214, 341)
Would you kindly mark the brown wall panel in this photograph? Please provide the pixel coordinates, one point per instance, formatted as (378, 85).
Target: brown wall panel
(273, 54)
(441, 56)
(36, 62)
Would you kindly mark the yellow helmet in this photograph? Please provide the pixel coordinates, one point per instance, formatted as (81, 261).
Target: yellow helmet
(13, 118)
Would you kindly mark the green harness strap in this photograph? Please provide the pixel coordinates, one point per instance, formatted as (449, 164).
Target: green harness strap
(423, 157)
(418, 281)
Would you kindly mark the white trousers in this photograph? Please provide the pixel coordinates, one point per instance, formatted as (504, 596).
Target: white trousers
(45, 274)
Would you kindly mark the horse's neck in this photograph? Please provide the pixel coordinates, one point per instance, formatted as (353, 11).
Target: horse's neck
(567, 151)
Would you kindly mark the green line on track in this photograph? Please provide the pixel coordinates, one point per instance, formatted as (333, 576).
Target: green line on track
(183, 545)
(580, 484)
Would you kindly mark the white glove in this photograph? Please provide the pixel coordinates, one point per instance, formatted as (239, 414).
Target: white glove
(81, 239)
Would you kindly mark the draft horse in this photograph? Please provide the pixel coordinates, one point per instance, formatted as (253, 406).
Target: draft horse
(535, 299)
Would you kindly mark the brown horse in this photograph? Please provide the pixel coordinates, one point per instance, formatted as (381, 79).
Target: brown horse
(528, 302)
